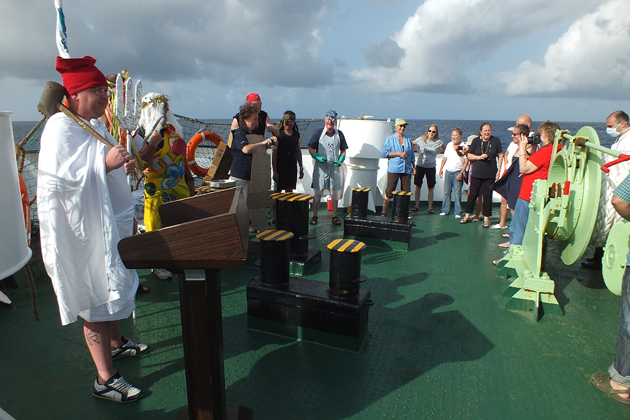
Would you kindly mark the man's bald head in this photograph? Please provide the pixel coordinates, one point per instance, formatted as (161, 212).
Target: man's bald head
(524, 119)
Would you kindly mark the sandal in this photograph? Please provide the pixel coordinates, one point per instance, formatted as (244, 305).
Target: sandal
(505, 244)
(475, 219)
(383, 215)
(464, 220)
(602, 382)
(431, 211)
(314, 220)
(506, 235)
(336, 221)
(142, 289)
(414, 208)
(486, 223)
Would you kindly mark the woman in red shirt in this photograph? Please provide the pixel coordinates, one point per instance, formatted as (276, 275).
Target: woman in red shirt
(532, 168)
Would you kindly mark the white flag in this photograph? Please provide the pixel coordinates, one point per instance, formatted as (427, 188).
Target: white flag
(62, 39)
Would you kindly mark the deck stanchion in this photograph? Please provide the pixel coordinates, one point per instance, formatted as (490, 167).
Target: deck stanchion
(292, 215)
(400, 211)
(274, 257)
(360, 198)
(345, 268)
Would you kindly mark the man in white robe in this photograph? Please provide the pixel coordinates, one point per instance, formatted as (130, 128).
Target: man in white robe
(618, 127)
(84, 207)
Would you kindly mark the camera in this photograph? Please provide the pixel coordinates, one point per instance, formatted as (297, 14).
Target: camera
(462, 149)
(534, 139)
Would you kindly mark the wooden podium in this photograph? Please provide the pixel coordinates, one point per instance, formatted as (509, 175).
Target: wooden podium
(201, 235)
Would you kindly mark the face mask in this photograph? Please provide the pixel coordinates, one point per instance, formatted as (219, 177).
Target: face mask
(612, 132)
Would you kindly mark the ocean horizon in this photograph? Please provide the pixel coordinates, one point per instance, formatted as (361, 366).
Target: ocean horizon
(416, 128)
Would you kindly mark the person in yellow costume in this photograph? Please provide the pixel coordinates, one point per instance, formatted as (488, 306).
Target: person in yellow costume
(168, 177)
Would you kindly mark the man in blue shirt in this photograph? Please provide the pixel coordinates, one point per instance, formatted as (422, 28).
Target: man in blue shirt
(617, 385)
(399, 152)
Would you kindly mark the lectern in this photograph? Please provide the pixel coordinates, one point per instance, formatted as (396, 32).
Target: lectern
(201, 235)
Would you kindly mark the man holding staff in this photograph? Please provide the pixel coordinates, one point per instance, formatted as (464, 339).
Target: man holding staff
(84, 207)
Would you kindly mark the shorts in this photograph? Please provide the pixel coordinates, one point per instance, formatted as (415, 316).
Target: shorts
(421, 173)
(392, 180)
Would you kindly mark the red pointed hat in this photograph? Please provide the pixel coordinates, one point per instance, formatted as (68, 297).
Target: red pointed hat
(79, 73)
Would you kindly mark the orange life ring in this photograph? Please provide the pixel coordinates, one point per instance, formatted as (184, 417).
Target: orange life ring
(192, 147)
(25, 207)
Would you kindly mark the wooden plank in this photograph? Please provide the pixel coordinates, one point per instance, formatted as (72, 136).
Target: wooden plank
(198, 207)
(209, 243)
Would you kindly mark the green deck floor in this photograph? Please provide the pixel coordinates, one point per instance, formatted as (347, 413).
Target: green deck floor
(439, 345)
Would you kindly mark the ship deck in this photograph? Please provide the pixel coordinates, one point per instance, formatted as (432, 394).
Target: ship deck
(440, 344)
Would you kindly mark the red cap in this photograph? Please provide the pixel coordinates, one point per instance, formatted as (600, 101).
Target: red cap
(253, 97)
(79, 74)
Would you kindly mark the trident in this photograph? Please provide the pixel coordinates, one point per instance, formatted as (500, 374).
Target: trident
(128, 109)
(128, 112)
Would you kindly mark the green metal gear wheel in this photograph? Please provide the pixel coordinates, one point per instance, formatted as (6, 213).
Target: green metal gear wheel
(615, 254)
(581, 167)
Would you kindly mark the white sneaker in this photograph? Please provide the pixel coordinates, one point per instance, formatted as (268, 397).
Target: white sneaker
(458, 216)
(162, 273)
(116, 389)
(442, 214)
(129, 348)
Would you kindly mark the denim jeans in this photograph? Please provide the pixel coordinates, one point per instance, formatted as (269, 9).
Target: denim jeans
(519, 222)
(451, 184)
(619, 371)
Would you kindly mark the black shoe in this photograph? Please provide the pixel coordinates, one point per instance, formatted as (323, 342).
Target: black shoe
(592, 259)
(592, 265)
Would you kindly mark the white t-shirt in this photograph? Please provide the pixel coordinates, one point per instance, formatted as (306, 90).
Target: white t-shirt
(509, 154)
(454, 162)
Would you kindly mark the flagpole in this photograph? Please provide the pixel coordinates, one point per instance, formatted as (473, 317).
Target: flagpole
(61, 36)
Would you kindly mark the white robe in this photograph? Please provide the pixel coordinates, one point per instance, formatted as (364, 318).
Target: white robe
(607, 216)
(83, 213)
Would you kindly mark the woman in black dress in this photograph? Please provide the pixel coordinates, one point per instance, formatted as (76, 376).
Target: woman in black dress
(288, 155)
(483, 153)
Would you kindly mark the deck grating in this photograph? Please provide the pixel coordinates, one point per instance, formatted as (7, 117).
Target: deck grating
(439, 345)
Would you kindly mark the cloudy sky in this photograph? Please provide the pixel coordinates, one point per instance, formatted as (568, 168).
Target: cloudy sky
(444, 59)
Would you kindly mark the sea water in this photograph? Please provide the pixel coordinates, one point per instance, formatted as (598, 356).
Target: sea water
(415, 129)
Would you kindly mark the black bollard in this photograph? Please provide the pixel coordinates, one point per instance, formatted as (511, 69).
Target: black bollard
(360, 198)
(345, 268)
(283, 212)
(400, 212)
(292, 216)
(274, 257)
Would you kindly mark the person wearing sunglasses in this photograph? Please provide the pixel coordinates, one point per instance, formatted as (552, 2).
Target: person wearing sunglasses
(288, 155)
(84, 206)
(428, 146)
(398, 150)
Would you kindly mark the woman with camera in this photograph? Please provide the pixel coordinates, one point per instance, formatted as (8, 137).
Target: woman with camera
(532, 168)
(483, 154)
